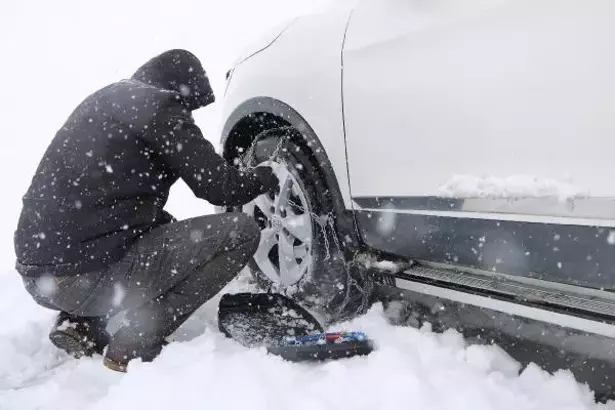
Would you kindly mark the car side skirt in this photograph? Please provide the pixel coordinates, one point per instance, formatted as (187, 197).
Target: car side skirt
(565, 243)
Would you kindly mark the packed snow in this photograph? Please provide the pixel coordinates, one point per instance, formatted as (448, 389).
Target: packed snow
(58, 52)
(411, 368)
(514, 186)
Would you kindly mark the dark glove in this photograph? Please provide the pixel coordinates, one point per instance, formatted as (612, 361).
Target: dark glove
(267, 178)
(167, 217)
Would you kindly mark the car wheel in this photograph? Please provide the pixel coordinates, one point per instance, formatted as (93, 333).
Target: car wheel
(299, 252)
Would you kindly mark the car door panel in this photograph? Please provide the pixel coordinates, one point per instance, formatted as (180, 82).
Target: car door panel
(501, 88)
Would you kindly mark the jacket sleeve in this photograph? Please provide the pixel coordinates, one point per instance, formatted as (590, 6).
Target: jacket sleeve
(181, 145)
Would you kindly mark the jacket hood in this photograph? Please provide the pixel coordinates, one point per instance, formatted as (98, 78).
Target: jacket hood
(180, 71)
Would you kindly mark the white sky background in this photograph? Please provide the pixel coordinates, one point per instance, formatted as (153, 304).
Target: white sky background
(54, 53)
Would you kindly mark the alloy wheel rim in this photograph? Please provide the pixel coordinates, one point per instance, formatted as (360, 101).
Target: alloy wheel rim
(284, 252)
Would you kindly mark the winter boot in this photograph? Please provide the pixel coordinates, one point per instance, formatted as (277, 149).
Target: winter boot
(79, 336)
(128, 344)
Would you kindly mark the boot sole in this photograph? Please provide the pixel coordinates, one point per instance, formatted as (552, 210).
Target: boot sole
(115, 366)
(71, 344)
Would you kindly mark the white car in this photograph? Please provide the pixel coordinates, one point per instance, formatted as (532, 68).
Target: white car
(460, 150)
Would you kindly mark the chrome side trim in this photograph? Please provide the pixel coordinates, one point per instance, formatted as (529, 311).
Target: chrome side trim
(577, 211)
(502, 217)
(516, 309)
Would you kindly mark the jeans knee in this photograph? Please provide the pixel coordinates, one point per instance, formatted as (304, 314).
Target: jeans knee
(247, 230)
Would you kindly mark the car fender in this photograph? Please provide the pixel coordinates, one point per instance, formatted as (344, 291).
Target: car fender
(301, 72)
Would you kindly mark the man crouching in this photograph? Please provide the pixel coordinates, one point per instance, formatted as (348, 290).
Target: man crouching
(93, 238)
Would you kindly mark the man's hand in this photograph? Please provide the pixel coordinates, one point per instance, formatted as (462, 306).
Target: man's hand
(268, 179)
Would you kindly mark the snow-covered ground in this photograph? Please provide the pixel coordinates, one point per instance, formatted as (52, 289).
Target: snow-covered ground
(55, 53)
(414, 369)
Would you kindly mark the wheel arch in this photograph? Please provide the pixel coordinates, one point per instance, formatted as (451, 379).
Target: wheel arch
(263, 113)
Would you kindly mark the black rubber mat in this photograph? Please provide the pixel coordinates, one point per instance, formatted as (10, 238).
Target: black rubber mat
(263, 319)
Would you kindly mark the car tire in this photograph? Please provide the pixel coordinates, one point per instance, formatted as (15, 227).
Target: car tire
(300, 254)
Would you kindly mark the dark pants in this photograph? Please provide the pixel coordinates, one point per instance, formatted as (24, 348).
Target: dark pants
(167, 275)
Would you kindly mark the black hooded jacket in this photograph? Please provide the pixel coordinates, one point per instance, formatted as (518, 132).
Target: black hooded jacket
(106, 176)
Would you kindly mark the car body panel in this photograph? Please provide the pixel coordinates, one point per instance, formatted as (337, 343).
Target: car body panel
(498, 88)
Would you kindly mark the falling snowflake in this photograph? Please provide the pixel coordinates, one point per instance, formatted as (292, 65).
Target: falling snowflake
(47, 285)
(196, 235)
(119, 293)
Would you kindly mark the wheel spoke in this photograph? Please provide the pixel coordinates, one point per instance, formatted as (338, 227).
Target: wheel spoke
(281, 201)
(301, 269)
(301, 251)
(261, 256)
(288, 263)
(265, 204)
(299, 226)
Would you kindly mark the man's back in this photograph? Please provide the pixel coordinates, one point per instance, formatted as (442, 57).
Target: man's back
(100, 184)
